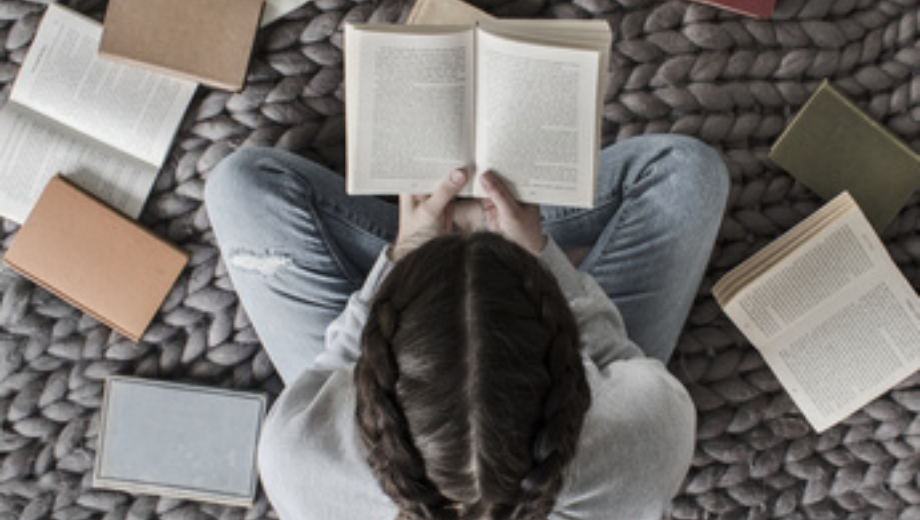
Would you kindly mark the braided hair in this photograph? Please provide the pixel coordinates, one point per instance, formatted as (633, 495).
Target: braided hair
(471, 391)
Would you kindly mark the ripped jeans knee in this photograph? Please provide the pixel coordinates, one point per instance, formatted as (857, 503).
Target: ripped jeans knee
(265, 263)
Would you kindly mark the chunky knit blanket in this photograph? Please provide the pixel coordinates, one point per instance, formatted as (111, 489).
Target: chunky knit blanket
(676, 66)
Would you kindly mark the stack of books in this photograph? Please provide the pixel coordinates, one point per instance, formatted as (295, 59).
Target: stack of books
(88, 125)
(90, 121)
(84, 140)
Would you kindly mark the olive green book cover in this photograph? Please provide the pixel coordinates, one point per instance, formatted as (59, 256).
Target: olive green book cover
(832, 146)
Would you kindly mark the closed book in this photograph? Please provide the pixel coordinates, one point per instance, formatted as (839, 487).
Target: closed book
(832, 146)
(754, 8)
(179, 440)
(95, 258)
(209, 41)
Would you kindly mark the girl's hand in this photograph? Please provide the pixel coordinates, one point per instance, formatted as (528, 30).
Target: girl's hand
(469, 216)
(423, 217)
(518, 222)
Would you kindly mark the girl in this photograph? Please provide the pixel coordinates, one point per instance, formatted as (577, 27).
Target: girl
(456, 359)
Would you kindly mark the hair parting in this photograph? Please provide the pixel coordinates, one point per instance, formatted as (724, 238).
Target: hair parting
(471, 391)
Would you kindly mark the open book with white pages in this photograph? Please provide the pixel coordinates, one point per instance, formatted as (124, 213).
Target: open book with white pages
(830, 312)
(106, 126)
(521, 98)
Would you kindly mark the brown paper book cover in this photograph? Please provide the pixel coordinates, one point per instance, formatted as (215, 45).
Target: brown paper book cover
(209, 41)
(94, 258)
(832, 146)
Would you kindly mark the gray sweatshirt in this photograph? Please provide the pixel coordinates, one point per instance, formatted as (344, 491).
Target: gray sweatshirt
(634, 452)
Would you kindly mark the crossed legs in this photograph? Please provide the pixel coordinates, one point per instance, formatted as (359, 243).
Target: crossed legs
(296, 245)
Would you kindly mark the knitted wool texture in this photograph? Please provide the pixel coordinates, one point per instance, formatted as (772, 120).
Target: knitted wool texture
(676, 66)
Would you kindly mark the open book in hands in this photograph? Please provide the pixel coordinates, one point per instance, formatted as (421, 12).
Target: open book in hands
(518, 97)
(829, 311)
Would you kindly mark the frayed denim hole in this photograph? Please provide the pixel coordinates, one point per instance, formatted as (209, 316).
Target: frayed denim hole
(265, 264)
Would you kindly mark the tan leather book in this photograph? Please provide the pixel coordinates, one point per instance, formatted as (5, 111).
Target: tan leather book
(209, 41)
(95, 258)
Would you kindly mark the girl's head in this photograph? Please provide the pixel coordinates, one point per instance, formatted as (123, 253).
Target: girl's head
(471, 390)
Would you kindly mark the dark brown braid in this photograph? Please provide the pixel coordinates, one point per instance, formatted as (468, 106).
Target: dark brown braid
(566, 402)
(471, 389)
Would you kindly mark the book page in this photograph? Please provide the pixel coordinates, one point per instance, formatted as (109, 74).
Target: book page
(129, 108)
(836, 320)
(275, 9)
(537, 119)
(853, 351)
(409, 108)
(34, 149)
(444, 12)
(593, 35)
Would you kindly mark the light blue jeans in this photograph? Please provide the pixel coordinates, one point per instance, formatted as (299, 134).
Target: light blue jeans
(296, 245)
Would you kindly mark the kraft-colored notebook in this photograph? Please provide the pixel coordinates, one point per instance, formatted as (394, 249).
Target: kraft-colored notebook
(95, 258)
(832, 146)
(209, 41)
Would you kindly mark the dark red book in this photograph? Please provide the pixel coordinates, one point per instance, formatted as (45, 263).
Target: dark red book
(755, 8)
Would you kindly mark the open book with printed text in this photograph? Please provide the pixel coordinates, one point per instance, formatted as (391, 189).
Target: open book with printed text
(521, 98)
(830, 312)
(106, 126)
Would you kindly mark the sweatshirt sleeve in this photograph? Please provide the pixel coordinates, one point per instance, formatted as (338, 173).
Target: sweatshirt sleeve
(601, 329)
(637, 440)
(343, 336)
(636, 445)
